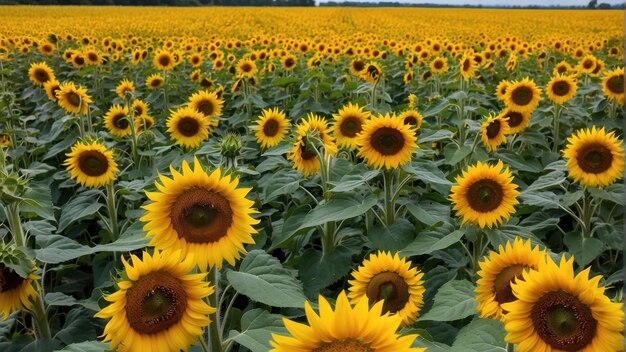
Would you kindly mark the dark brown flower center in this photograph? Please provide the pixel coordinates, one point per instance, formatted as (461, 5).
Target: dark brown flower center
(390, 287)
(42, 75)
(515, 118)
(438, 65)
(594, 158)
(155, 302)
(522, 95)
(205, 107)
(9, 279)
(387, 141)
(350, 345)
(493, 129)
(485, 195)
(93, 57)
(156, 82)
(373, 71)
(164, 60)
(201, 216)
(246, 67)
(561, 69)
(563, 321)
(74, 99)
(411, 120)
(358, 65)
(138, 110)
(120, 121)
(270, 128)
(503, 281)
(466, 65)
(93, 163)
(79, 60)
(616, 84)
(350, 126)
(588, 64)
(188, 126)
(561, 88)
(289, 62)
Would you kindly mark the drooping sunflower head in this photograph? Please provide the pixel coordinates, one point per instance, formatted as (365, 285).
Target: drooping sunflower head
(467, 66)
(246, 67)
(188, 127)
(389, 278)
(208, 104)
(303, 153)
(485, 194)
(116, 120)
(365, 330)
(517, 121)
(272, 126)
(158, 302)
(412, 118)
(493, 131)
(91, 164)
(561, 88)
(51, 88)
(386, 142)
(372, 72)
(523, 96)
(16, 292)
(200, 213)
(348, 124)
(594, 157)
(501, 90)
(73, 100)
(143, 123)
(125, 87)
(557, 310)
(164, 60)
(499, 270)
(39, 73)
(613, 85)
(154, 81)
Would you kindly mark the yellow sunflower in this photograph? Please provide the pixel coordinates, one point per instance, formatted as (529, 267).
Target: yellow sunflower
(562, 68)
(159, 304)
(594, 158)
(557, 310)
(501, 90)
(348, 329)
(613, 85)
(91, 164)
(587, 64)
(499, 270)
(73, 100)
(468, 66)
(5, 140)
(15, 292)
(40, 73)
(386, 277)
(208, 104)
(304, 159)
(493, 131)
(116, 121)
(200, 213)
(125, 87)
(188, 127)
(561, 89)
(143, 122)
(386, 141)
(246, 67)
(357, 66)
(523, 96)
(412, 118)
(517, 121)
(272, 126)
(163, 60)
(154, 81)
(484, 194)
(439, 65)
(348, 124)
(139, 107)
(51, 88)
(289, 62)
(78, 60)
(372, 72)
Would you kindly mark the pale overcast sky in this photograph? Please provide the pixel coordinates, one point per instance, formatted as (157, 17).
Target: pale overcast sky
(496, 2)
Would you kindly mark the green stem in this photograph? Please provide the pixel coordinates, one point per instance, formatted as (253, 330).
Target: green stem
(555, 126)
(587, 213)
(111, 205)
(41, 320)
(133, 132)
(15, 224)
(390, 207)
(510, 347)
(214, 334)
(203, 344)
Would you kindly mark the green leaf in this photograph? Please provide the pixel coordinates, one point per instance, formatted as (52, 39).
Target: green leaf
(340, 207)
(257, 326)
(78, 327)
(552, 179)
(318, 271)
(585, 250)
(79, 208)
(436, 108)
(439, 135)
(430, 241)
(281, 149)
(284, 81)
(430, 345)
(519, 163)
(61, 299)
(87, 346)
(263, 279)
(545, 199)
(430, 174)
(38, 200)
(392, 238)
(429, 213)
(357, 177)
(459, 155)
(291, 226)
(453, 301)
(481, 335)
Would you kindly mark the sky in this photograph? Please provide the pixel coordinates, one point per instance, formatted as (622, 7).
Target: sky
(497, 2)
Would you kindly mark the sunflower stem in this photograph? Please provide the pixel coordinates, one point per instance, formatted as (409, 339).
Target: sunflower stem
(390, 211)
(41, 319)
(81, 127)
(555, 125)
(214, 334)
(203, 344)
(510, 347)
(133, 132)
(15, 224)
(111, 206)
(587, 213)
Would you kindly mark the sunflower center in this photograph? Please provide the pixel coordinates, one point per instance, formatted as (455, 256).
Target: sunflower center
(201, 216)
(466, 65)
(587, 64)
(387, 141)
(515, 118)
(522, 95)
(438, 65)
(289, 62)
(493, 129)
(563, 321)
(358, 66)
(391, 288)
(485, 195)
(373, 71)
(93, 163)
(79, 60)
(120, 121)
(42, 76)
(164, 60)
(410, 120)
(246, 67)
(561, 69)
(594, 158)
(92, 57)
(349, 345)
(503, 281)
(205, 107)
(560, 88)
(616, 84)
(350, 126)
(138, 110)
(9, 279)
(305, 152)
(73, 99)
(188, 126)
(270, 128)
(155, 82)
(155, 302)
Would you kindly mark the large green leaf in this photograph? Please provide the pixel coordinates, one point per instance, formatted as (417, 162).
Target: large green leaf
(427, 242)
(257, 327)
(392, 238)
(318, 270)
(481, 335)
(79, 208)
(585, 250)
(453, 301)
(87, 346)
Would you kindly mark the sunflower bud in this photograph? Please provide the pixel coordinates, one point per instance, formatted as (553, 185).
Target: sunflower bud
(231, 145)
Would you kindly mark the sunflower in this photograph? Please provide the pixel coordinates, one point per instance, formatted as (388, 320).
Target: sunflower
(305, 159)
(16, 292)
(78, 60)
(195, 60)
(357, 66)
(188, 127)
(143, 122)
(154, 81)
(348, 124)
(562, 68)
(493, 131)
(594, 158)
(387, 277)
(560, 89)
(587, 64)
(139, 107)
(371, 73)
(91, 164)
(40, 73)
(289, 62)
(246, 67)
(412, 118)
(51, 88)
(73, 100)
(5, 140)
(468, 66)
(613, 85)
(517, 121)
(523, 96)
(499, 271)
(125, 87)
(501, 90)
(272, 126)
(163, 60)
(202, 214)
(439, 65)
(556, 310)
(93, 57)
(511, 62)
(159, 304)
(484, 194)
(386, 141)
(116, 121)
(208, 104)
(347, 328)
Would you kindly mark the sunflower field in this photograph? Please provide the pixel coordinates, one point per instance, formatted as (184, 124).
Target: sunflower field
(311, 180)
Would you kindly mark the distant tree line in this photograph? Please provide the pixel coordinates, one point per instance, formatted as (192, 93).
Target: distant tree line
(164, 2)
(592, 5)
